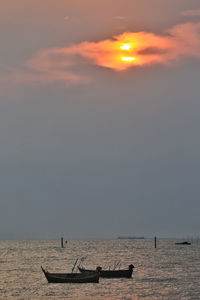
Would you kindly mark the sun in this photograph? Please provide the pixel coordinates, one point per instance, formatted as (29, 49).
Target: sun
(126, 47)
(126, 55)
(127, 58)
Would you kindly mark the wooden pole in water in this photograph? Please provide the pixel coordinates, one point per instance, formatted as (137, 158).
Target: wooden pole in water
(62, 246)
(155, 242)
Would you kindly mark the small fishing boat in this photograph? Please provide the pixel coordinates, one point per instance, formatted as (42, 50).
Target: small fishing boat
(111, 273)
(72, 277)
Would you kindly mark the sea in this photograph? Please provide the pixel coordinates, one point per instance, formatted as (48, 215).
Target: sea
(168, 271)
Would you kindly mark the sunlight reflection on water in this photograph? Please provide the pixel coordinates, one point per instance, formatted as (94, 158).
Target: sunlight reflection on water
(168, 272)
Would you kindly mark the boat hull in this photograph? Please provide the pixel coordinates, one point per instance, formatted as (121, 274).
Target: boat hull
(111, 273)
(71, 277)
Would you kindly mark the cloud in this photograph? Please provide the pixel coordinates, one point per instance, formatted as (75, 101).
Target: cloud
(134, 49)
(119, 53)
(191, 13)
(151, 51)
(46, 67)
(187, 37)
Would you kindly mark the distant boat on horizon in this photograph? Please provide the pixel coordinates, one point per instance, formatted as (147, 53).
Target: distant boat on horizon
(130, 237)
(183, 243)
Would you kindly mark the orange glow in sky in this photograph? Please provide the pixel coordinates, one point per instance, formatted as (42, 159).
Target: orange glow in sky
(119, 53)
(126, 47)
(135, 49)
(127, 58)
(129, 49)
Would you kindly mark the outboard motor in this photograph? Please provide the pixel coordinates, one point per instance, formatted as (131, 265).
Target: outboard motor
(98, 269)
(131, 267)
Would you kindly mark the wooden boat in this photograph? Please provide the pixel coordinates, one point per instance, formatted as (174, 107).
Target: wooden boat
(111, 273)
(72, 277)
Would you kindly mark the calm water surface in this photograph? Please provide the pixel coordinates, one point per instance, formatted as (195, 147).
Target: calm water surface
(168, 272)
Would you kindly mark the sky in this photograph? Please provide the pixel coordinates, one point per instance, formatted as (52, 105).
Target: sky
(99, 118)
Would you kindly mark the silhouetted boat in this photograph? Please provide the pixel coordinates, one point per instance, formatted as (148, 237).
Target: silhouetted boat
(183, 243)
(72, 277)
(111, 273)
(130, 237)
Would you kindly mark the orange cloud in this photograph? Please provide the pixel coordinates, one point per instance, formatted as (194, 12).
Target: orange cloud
(121, 52)
(132, 49)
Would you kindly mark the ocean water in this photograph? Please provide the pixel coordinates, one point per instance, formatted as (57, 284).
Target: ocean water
(168, 272)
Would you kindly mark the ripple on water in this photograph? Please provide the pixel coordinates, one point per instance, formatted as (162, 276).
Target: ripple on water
(168, 272)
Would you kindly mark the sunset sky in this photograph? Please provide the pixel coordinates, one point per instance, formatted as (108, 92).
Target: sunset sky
(99, 118)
